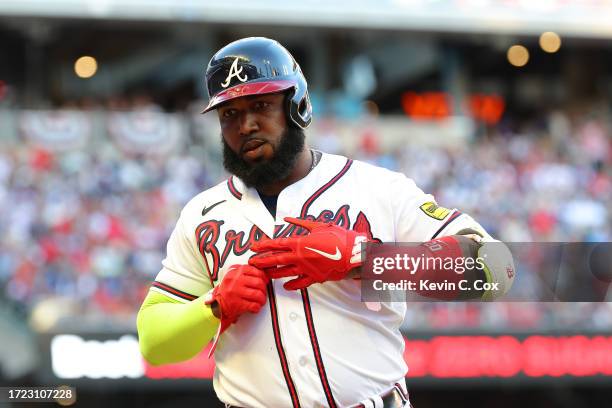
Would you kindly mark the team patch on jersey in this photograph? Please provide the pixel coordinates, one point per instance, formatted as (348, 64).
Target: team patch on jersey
(434, 211)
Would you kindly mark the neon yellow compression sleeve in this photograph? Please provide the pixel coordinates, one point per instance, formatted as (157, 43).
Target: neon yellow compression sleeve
(170, 331)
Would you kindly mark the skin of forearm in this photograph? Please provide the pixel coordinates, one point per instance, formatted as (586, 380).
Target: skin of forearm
(170, 331)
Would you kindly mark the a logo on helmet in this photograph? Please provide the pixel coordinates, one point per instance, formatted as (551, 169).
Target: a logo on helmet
(234, 72)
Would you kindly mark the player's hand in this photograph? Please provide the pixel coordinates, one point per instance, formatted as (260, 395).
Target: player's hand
(327, 253)
(242, 290)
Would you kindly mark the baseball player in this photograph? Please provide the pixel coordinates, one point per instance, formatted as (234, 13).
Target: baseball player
(265, 264)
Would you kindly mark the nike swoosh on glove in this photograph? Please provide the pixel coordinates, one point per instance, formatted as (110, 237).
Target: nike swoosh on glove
(327, 253)
(242, 290)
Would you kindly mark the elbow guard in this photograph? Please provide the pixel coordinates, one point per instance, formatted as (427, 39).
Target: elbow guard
(495, 255)
(498, 267)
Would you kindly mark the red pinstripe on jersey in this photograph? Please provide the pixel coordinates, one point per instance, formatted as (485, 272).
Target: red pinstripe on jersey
(321, 190)
(295, 401)
(452, 218)
(306, 300)
(233, 189)
(316, 350)
(173, 291)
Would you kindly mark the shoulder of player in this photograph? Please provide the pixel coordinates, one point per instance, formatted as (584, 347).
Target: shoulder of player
(379, 181)
(362, 168)
(207, 198)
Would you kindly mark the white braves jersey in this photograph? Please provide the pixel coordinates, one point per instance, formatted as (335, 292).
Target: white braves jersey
(320, 346)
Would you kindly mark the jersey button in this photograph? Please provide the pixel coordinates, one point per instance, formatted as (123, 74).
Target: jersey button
(293, 316)
(303, 361)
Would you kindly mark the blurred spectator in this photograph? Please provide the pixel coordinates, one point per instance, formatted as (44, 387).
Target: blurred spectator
(90, 225)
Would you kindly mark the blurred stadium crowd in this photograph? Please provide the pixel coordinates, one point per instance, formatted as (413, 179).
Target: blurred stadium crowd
(95, 216)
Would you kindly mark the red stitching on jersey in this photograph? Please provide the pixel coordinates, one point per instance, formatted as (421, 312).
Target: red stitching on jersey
(233, 189)
(451, 219)
(317, 350)
(321, 190)
(175, 292)
(279, 347)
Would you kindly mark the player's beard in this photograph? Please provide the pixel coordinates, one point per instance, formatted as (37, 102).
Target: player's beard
(279, 167)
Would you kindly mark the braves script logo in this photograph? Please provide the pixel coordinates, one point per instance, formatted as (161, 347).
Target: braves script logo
(234, 72)
(239, 242)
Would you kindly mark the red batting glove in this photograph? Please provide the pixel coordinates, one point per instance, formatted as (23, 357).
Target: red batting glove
(327, 253)
(242, 290)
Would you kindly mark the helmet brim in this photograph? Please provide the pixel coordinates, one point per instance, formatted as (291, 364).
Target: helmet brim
(252, 88)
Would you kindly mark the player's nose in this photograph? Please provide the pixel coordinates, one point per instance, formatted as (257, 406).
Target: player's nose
(248, 124)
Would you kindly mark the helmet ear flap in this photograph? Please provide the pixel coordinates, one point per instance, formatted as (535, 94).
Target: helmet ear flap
(299, 108)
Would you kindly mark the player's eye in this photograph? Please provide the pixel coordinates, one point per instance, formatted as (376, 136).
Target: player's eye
(228, 113)
(259, 105)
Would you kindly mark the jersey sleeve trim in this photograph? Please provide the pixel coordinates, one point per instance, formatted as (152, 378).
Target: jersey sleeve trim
(173, 292)
(452, 218)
